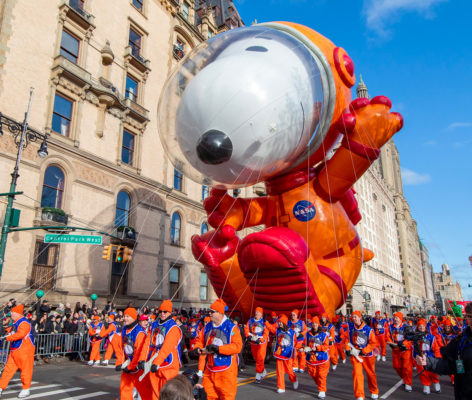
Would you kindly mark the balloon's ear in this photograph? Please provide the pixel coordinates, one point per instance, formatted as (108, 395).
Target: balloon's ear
(455, 303)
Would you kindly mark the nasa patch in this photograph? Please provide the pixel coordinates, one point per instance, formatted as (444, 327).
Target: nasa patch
(304, 211)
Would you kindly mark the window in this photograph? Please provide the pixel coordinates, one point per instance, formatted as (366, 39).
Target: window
(122, 209)
(138, 4)
(175, 229)
(204, 228)
(77, 4)
(53, 188)
(135, 42)
(185, 10)
(203, 286)
(210, 34)
(69, 47)
(178, 178)
(131, 88)
(127, 148)
(61, 115)
(44, 265)
(174, 282)
(205, 192)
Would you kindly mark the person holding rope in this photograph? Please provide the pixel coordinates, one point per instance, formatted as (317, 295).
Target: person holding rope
(285, 344)
(379, 325)
(360, 343)
(402, 359)
(456, 359)
(95, 340)
(300, 329)
(21, 352)
(133, 341)
(256, 331)
(221, 341)
(431, 348)
(317, 357)
(164, 353)
(114, 336)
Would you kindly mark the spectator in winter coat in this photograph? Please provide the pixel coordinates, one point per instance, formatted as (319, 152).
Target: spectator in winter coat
(44, 309)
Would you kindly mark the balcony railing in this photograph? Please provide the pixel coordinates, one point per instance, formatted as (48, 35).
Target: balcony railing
(132, 56)
(75, 11)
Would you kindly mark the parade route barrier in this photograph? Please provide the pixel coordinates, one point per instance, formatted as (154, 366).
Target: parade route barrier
(52, 345)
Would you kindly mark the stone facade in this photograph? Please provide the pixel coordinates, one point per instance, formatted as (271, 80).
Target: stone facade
(109, 66)
(445, 288)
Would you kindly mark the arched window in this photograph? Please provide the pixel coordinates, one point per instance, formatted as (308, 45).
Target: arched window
(53, 187)
(175, 229)
(122, 209)
(204, 228)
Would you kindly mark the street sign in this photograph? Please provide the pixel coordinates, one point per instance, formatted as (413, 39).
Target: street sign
(76, 239)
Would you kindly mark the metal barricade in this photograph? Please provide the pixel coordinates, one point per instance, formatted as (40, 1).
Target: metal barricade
(4, 351)
(60, 344)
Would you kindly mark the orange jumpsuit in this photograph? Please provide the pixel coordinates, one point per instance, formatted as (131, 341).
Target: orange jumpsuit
(362, 338)
(432, 346)
(300, 329)
(164, 339)
(402, 359)
(258, 328)
(318, 362)
(380, 328)
(285, 343)
(338, 344)
(94, 342)
(133, 339)
(21, 354)
(221, 371)
(115, 343)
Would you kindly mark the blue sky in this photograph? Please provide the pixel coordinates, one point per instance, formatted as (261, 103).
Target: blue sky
(418, 53)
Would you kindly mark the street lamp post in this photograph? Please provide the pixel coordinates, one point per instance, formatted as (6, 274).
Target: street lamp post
(23, 135)
(39, 294)
(93, 297)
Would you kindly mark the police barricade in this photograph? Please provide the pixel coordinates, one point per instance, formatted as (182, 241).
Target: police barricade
(4, 351)
(50, 345)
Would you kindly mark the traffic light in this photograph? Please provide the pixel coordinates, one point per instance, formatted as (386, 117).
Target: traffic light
(127, 254)
(119, 254)
(107, 252)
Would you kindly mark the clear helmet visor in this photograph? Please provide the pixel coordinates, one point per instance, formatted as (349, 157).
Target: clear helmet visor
(242, 107)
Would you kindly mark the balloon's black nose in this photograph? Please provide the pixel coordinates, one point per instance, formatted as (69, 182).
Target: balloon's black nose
(214, 147)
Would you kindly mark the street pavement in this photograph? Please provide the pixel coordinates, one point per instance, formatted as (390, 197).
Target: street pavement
(75, 380)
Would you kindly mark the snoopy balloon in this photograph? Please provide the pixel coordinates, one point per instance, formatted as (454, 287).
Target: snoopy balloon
(272, 103)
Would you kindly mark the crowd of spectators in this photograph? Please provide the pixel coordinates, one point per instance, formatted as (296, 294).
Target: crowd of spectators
(48, 319)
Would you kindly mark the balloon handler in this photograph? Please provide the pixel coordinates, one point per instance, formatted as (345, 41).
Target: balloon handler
(21, 352)
(221, 341)
(302, 137)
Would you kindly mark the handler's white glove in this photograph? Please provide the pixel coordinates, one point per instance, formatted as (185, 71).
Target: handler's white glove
(307, 349)
(355, 352)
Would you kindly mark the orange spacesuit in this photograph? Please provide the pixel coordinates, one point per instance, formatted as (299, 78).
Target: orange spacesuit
(222, 341)
(360, 341)
(302, 203)
(256, 331)
(164, 348)
(21, 352)
(114, 338)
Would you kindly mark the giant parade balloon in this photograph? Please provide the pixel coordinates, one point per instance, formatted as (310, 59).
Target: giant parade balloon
(271, 104)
